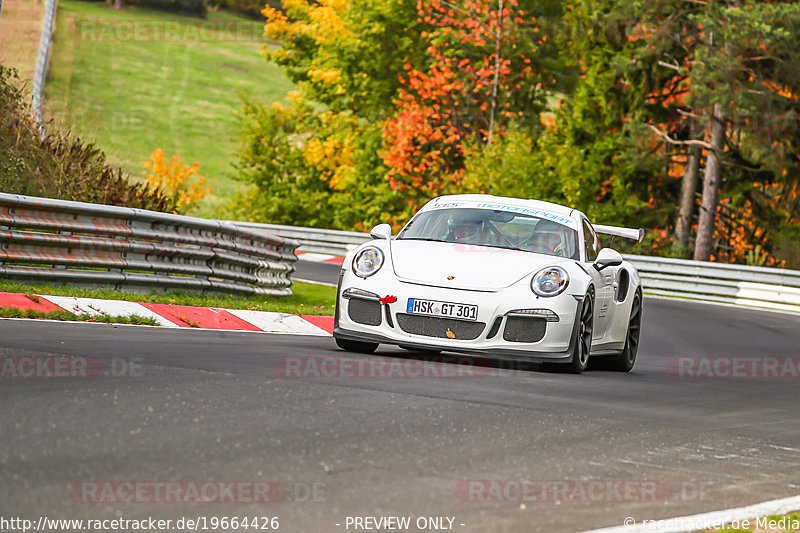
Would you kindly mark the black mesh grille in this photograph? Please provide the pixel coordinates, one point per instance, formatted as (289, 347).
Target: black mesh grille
(438, 327)
(367, 312)
(524, 329)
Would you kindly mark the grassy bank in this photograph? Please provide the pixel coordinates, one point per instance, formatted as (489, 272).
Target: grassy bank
(138, 80)
(20, 30)
(10, 312)
(306, 298)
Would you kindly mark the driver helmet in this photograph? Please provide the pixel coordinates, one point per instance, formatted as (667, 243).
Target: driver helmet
(548, 237)
(464, 226)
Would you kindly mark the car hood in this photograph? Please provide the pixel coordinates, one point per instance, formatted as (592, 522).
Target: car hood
(471, 267)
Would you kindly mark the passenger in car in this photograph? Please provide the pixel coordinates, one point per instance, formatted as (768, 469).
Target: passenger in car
(548, 238)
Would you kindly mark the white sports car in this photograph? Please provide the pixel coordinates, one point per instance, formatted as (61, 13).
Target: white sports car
(502, 278)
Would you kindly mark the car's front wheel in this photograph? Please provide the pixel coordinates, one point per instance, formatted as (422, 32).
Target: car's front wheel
(356, 346)
(583, 340)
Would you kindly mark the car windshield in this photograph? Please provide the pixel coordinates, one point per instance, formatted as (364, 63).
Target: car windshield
(494, 228)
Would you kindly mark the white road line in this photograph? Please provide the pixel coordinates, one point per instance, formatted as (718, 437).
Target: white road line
(314, 257)
(284, 323)
(703, 521)
(315, 282)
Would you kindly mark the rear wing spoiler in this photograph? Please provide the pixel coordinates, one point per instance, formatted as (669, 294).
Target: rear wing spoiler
(626, 233)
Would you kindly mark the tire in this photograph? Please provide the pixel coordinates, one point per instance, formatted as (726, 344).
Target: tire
(356, 346)
(624, 362)
(419, 350)
(583, 340)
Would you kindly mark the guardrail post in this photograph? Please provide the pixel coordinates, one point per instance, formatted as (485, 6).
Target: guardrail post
(42, 60)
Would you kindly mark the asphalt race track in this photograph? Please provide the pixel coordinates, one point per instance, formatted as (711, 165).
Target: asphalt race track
(215, 406)
(320, 272)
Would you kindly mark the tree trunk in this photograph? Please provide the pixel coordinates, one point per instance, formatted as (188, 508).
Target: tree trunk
(708, 209)
(118, 5)
(498, 41)
(691, 176)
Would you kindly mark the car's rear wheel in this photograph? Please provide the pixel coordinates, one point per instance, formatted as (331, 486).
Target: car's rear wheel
(356, 346)
(583, 340)
(624, 362)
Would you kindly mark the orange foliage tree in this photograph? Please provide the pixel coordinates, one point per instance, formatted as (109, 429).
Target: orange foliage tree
(478, 75)
(179, 182)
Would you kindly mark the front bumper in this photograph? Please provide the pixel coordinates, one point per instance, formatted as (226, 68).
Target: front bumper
(553, 346)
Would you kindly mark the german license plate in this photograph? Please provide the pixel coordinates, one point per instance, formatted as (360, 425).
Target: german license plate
(417, 306)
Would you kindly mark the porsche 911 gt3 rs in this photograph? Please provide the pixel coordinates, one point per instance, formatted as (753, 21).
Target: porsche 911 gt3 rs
(494, 277)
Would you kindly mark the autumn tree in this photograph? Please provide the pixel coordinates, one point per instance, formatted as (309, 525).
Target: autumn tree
(481, 71)
(315, 159)
(666, 37)
(346, 54)
(617, 107)
(734, 60)
(589, 156)
(747, 64)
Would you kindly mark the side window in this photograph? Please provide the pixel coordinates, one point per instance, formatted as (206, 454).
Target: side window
(590, 243)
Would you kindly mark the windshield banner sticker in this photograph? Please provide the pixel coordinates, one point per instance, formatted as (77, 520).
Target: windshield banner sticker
(528, 211)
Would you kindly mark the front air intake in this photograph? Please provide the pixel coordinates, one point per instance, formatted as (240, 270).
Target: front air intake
(367, 312)
(524, 329)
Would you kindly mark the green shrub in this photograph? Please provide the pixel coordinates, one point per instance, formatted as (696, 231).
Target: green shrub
(59, 165)
(312, 169)
(786, 247)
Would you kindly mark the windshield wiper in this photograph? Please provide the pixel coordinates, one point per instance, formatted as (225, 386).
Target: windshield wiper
(420, 239)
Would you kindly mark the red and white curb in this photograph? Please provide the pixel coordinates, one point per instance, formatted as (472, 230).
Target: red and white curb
(319, 258)
(178, 316)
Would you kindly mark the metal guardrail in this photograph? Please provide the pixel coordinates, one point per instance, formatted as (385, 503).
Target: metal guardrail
(139, 250)
(770, 288)
(321, 241)
(42, 59)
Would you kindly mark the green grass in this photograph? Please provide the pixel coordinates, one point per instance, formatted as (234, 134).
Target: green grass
(306, 298)
(10, 312)
(179, 93)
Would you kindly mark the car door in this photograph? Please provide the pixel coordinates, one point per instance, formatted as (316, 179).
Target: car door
(603, 283)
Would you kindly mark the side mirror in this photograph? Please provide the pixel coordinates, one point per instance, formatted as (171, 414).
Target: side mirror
(381, 231)
(606, 258)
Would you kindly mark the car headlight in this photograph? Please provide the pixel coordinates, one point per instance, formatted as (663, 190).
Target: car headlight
(367, 262)
(550, 281)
